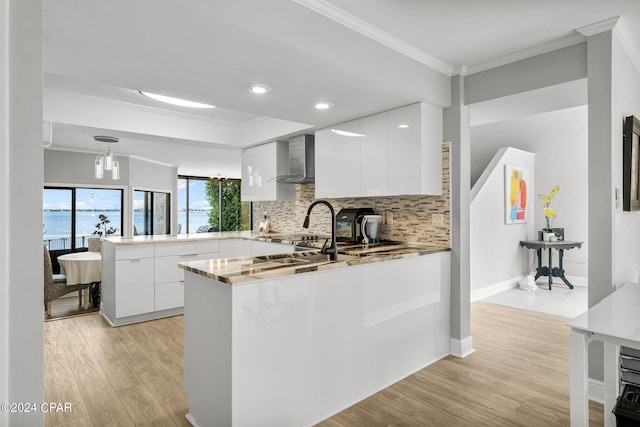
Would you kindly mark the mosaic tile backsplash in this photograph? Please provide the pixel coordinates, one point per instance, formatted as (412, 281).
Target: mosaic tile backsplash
(423, 219)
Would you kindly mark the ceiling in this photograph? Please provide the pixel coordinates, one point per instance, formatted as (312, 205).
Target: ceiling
(365, 56)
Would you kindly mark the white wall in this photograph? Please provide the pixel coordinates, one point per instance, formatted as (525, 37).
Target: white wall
(21, 271)
(70, 167)
(626, 102)
(76, 169)
(559, 139)
(497, 261)
(548, 69)
(146, 175)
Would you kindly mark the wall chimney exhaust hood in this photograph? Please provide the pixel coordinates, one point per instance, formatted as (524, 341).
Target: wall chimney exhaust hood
(301, 161)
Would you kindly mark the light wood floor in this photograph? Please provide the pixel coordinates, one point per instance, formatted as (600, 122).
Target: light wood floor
(132, 375)
(68, 306)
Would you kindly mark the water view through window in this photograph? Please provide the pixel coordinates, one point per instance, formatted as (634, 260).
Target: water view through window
(151, 212)
(71, 215)
(211, 205)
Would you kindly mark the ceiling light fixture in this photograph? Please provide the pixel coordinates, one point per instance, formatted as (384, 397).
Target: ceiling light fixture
(324, 105)
(257, 89)
(107, 161)
(403, 126)
(175, 101)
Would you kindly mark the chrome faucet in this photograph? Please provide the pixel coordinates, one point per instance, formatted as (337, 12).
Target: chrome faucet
(332, 250)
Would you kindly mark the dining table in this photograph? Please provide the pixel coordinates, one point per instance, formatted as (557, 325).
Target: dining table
(82, 268)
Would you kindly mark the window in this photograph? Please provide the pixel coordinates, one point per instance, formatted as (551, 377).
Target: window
(151, 212)
(211, 205)
(71, 215)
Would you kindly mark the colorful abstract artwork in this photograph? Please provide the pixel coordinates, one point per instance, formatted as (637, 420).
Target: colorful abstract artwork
(515, 183)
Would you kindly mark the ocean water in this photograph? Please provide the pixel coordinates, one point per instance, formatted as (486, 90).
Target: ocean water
(57, 223)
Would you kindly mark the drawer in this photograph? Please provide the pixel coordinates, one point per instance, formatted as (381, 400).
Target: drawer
(169, 295)
(167, 270)
(187, 248)
(134, 251)
(630, 363)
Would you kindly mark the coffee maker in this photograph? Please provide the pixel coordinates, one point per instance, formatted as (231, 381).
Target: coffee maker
(370, 227)
(348, 224)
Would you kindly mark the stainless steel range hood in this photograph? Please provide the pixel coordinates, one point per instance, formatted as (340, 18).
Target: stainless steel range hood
(301, 161)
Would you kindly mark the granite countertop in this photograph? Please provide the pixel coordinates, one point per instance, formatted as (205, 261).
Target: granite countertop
(246, 269)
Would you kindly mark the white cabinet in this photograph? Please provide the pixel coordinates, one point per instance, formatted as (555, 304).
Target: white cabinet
(346, 163)
(169, 278)
(260, 166)
(134, 286)
(374, 164)
(327, 178)
(397, 152)
(337, 155)
(142, 281)
(415, 150)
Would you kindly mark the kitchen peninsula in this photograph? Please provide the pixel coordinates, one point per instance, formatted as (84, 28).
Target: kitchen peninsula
(290, 339)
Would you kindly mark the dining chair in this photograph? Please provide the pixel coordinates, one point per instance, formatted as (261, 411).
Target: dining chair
(55, 285)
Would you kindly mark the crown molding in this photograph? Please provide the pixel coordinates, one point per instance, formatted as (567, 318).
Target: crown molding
(599, 27)
(356, 24)
(627, 41)
(618, 27)
(540, 49)
(459, 70)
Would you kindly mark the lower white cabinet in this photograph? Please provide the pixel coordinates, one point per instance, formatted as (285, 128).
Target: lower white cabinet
(134, 287)
(169, 278)
(169, 295)
(142, 281)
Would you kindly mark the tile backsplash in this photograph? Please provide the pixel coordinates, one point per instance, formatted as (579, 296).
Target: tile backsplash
(423, 219)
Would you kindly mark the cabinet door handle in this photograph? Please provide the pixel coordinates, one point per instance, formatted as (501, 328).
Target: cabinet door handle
(184, 256)
(135, 259)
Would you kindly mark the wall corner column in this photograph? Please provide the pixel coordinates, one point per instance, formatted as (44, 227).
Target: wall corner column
(457, 130)
(21, 183)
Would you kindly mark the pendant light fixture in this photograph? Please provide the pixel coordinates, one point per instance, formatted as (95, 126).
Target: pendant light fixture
(107, 161)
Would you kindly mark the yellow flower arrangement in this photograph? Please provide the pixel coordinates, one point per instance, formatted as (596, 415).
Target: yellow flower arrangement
(549, 213)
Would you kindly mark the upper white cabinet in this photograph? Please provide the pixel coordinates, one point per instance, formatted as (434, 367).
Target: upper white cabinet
(338, 160)
(327, 180)
(374, 149)
(260, 166)
(415, 150)
(398, 152)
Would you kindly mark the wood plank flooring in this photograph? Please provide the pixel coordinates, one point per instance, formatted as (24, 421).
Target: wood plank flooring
(68, 306)
(133, 376)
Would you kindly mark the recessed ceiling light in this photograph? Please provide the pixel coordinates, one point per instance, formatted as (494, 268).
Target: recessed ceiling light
(258, 89)
(403, 126)
(325, 105)
(175, 101)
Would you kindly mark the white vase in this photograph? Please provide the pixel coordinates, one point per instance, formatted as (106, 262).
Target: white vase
(548, 237)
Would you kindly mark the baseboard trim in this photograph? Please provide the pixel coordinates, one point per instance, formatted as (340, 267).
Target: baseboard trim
(461, 348)
(596, 390)
(487, 291)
